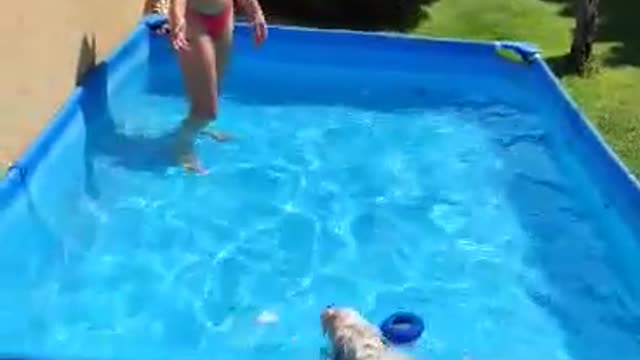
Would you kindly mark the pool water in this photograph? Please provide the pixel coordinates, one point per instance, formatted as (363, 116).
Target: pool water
(383, 192)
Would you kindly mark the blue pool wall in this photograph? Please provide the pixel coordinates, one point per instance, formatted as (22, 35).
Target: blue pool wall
(45, 185)
(55, 170)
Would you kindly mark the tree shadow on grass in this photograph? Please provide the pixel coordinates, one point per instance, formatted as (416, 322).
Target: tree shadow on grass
(560, 65)
(399, 15)
(617, 25)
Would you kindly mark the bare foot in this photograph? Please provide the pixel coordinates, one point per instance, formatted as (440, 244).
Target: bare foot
(217, 136)
(191, 164)
(187, 158)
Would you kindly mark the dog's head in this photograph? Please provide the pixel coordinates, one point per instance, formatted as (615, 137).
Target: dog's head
(328, 319)
(333, 318)
(350, 334)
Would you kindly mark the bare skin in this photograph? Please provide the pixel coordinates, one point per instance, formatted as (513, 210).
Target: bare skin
(160, 7)
(203, 60)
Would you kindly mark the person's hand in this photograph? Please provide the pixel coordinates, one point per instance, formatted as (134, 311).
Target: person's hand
(259, 31)
(179, 37)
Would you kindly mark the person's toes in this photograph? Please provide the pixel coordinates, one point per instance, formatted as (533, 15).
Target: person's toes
(194, 167)
(218, 136)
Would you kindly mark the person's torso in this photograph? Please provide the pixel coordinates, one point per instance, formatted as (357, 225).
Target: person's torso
(208, 6)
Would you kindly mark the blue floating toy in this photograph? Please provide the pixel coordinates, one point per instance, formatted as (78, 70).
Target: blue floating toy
(402, 328)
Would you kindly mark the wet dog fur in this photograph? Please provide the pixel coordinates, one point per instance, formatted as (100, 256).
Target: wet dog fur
(353, 338)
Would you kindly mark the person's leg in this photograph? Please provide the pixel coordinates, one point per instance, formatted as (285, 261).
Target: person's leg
(200, 77)
(222, 46)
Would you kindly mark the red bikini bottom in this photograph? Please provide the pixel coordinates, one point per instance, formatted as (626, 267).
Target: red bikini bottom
(216, 24)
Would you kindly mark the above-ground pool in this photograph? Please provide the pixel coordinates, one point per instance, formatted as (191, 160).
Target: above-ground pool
(378, 172)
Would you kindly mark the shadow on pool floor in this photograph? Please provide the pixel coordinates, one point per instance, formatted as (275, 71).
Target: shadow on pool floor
(586, 292)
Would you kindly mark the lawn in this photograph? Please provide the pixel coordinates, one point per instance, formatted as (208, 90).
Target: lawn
(610, 95)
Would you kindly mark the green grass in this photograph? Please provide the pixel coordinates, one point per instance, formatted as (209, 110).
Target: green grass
(610, 96)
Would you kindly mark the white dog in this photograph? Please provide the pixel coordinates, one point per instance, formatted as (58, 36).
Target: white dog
(354, 338)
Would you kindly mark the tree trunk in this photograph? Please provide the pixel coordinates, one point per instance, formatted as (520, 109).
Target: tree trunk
(584, 34)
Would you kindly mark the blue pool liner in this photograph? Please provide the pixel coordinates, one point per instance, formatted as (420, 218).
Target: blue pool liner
(618, 185)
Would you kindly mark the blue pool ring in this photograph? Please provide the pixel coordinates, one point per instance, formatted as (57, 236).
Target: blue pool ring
(402, 328)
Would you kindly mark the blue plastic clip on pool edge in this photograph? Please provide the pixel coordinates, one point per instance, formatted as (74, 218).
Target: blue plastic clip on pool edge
(517, 51)
(154, 21)
(17, 171)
